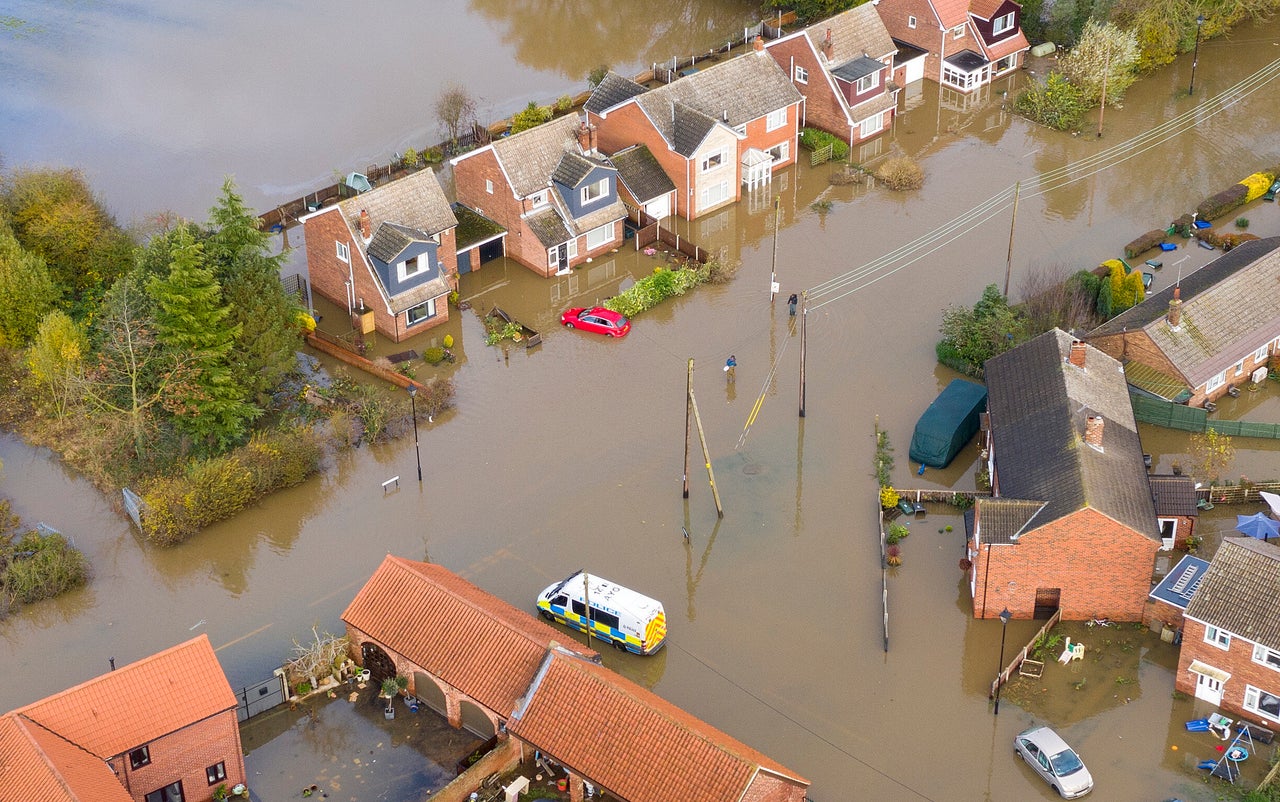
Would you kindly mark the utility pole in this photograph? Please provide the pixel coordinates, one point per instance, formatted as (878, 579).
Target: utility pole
(804, 339)
(773, 274)
(586, 601)
(1008, 262)
(688, 410)
(706, 454)
(1105, 70)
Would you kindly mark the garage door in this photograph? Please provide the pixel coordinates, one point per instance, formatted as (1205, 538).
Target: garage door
(915, 69)
(660, 208)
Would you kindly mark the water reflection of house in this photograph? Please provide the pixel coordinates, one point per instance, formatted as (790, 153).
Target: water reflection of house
(162, 729)
(1196, 340)
(714, 131)
(844, 68)
(969, 42)
(1071, 523)
(494, 669)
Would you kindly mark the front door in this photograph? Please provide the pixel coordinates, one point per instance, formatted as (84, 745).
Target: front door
(1209, 689)
(562, 259)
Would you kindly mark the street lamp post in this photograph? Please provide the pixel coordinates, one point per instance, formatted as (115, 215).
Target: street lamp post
(413, 404)
(1195, 58)
(1005, 615)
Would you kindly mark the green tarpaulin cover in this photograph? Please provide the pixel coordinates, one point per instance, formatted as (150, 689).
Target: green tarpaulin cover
(949, 422)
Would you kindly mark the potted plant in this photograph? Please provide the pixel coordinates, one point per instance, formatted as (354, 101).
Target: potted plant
(391, 686)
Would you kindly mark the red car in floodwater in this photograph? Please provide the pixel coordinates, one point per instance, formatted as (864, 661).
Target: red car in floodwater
(596, 319)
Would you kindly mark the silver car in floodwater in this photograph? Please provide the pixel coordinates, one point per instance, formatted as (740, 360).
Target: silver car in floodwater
(1059, 765)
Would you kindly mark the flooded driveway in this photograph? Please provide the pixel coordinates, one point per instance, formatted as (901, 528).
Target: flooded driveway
(570, 456)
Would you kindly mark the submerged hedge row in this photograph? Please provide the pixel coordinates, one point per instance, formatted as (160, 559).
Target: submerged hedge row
(175, 508)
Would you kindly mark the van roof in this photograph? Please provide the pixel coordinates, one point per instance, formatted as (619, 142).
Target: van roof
(604, 592)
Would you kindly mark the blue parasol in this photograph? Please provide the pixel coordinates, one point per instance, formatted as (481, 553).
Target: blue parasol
(1258, 525)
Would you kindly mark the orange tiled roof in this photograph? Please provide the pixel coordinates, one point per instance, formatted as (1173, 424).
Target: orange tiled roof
(632, 742)
(1013, 44)
(471, 639)
(952, 12)
(128, 707)
(985, 8)
(38, 766)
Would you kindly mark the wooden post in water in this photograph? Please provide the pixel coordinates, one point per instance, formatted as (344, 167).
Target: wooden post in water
(1008, 262)
(706, 454)
(804, 318)
(688, 409)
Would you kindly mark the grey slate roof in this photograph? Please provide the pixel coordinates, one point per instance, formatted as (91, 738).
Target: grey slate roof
(1174, 495)
(415, 201)
(548, 227)
(1038, 404)
(854, 69)
(1238, 592)
(408, 299)
(530, 157)
(734, 92)
(639, 170)
(1004, 519)
(611, 91)
(574, 167)
(1229, 308)
(1179, 586)
(389, 240)
(856, 32)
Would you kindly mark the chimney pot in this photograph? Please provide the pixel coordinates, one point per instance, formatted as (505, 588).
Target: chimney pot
(366, 225)
(1093, 431)
(758, 44)
(1175, 309)
(1077, 353)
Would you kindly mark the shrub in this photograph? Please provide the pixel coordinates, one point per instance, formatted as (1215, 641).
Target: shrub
(448, 341)
(896, 532)
(1242, 222)
(813, 139)
(1184, 225)
(1056, 104)
(1146, 242)
(655, 288)
(888, 497)
(893, 555)
(433, 355)
(302, 688)
(383, 363)
(563, 104)
(1215, 206)
(1257, 185)
(597, 75)
(410, 157)
(719, 271)
(531, 116)
(48, 566)
(433, 155)
(901, 173)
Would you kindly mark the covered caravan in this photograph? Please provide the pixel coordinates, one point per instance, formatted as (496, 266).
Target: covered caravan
(949, 422)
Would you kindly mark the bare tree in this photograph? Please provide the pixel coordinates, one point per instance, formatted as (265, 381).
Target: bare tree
(455, 108)
(1052, 298)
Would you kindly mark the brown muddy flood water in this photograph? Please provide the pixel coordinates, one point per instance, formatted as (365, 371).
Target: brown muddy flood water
(570, 456)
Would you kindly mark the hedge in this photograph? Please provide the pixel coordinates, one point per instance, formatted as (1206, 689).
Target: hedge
(175, 508)
(1146, 242)
(655, 288)
(1215, 206)
(1257, 185)
(813, 139)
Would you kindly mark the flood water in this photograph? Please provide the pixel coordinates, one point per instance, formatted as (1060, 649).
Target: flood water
(570, 455)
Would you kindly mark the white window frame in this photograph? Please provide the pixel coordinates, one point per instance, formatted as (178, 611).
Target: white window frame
(1252, 699)
(775, 119)
(573, 249)
(1009, 62)
(594, 192)
(713, 161)
(538, 199)
(1260, 355)
(1215, 382)
(603, 235)
(958, 31)
(344, 252)
(1218, 637)
(422, 263)
(801, 75)
(488, 185)
(868, 82)
(963, 81)
(780, 152)
(871, 125)
(1001, 24)
(1239, 367)
(704, 196)
(1160, 522)
(911, 21)
(1266, 657)
(429, 305)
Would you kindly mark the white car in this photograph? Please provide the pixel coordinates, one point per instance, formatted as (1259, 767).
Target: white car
(1059, 765)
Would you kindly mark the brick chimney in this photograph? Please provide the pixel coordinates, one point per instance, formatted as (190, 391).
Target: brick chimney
(584, 137)
(1077, 354)
(1175, 309)
(1093, 431)
(758, 44)
(366, 226)
(827, 47)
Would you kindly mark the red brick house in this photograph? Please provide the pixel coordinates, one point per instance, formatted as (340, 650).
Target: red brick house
(1230, 653)
(713, 131)
(1194, 341)
(492, 668)
(629, 742)
(390, 251)
(556, 196)
(162, 729)
(969, 43)
(843, 67)
(1071, 523)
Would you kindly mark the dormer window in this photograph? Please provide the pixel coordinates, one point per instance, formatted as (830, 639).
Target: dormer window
(1002, 24)
(868, 82)
(538, 199)
(596, 191)
(413, 266)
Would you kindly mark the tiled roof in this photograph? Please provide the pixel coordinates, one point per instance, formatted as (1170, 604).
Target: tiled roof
(1038, 404)
(872, 107)
(951, 12)
(573, 168)
(530, 157)
(735, 92)
(685, 128)
(1238, 592)
(471, 639)
(1012, 44)
(639, 170)
(548, 227)
(39, 766)
(856, 32)
(984, 8)
(633, 743)
(611, 91)
(1004, 519)
(1179, 586)
(415, 201)
(1228, 309)
(419, 294)
(118, 711)
(1174, 495)
(389, 240)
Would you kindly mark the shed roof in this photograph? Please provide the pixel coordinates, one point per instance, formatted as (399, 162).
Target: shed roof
(1174, 495)
(1238, 592)
(1228, 309)
(1038, 403)
(467, 637)
(633, 742)
(1179, 586)
(854, 69)
(574, 167)
(639, 170)
(389, 241)
(1003, 520)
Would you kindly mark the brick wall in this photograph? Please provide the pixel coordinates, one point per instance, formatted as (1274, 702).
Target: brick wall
(766, 787)
(1237, 661)
(761, 139)
(501, 206)
(1162, 612)
(626, 126)
(821, 107)
(1102, 568)
(1137, 346)
(926, 36)
(184, 755)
